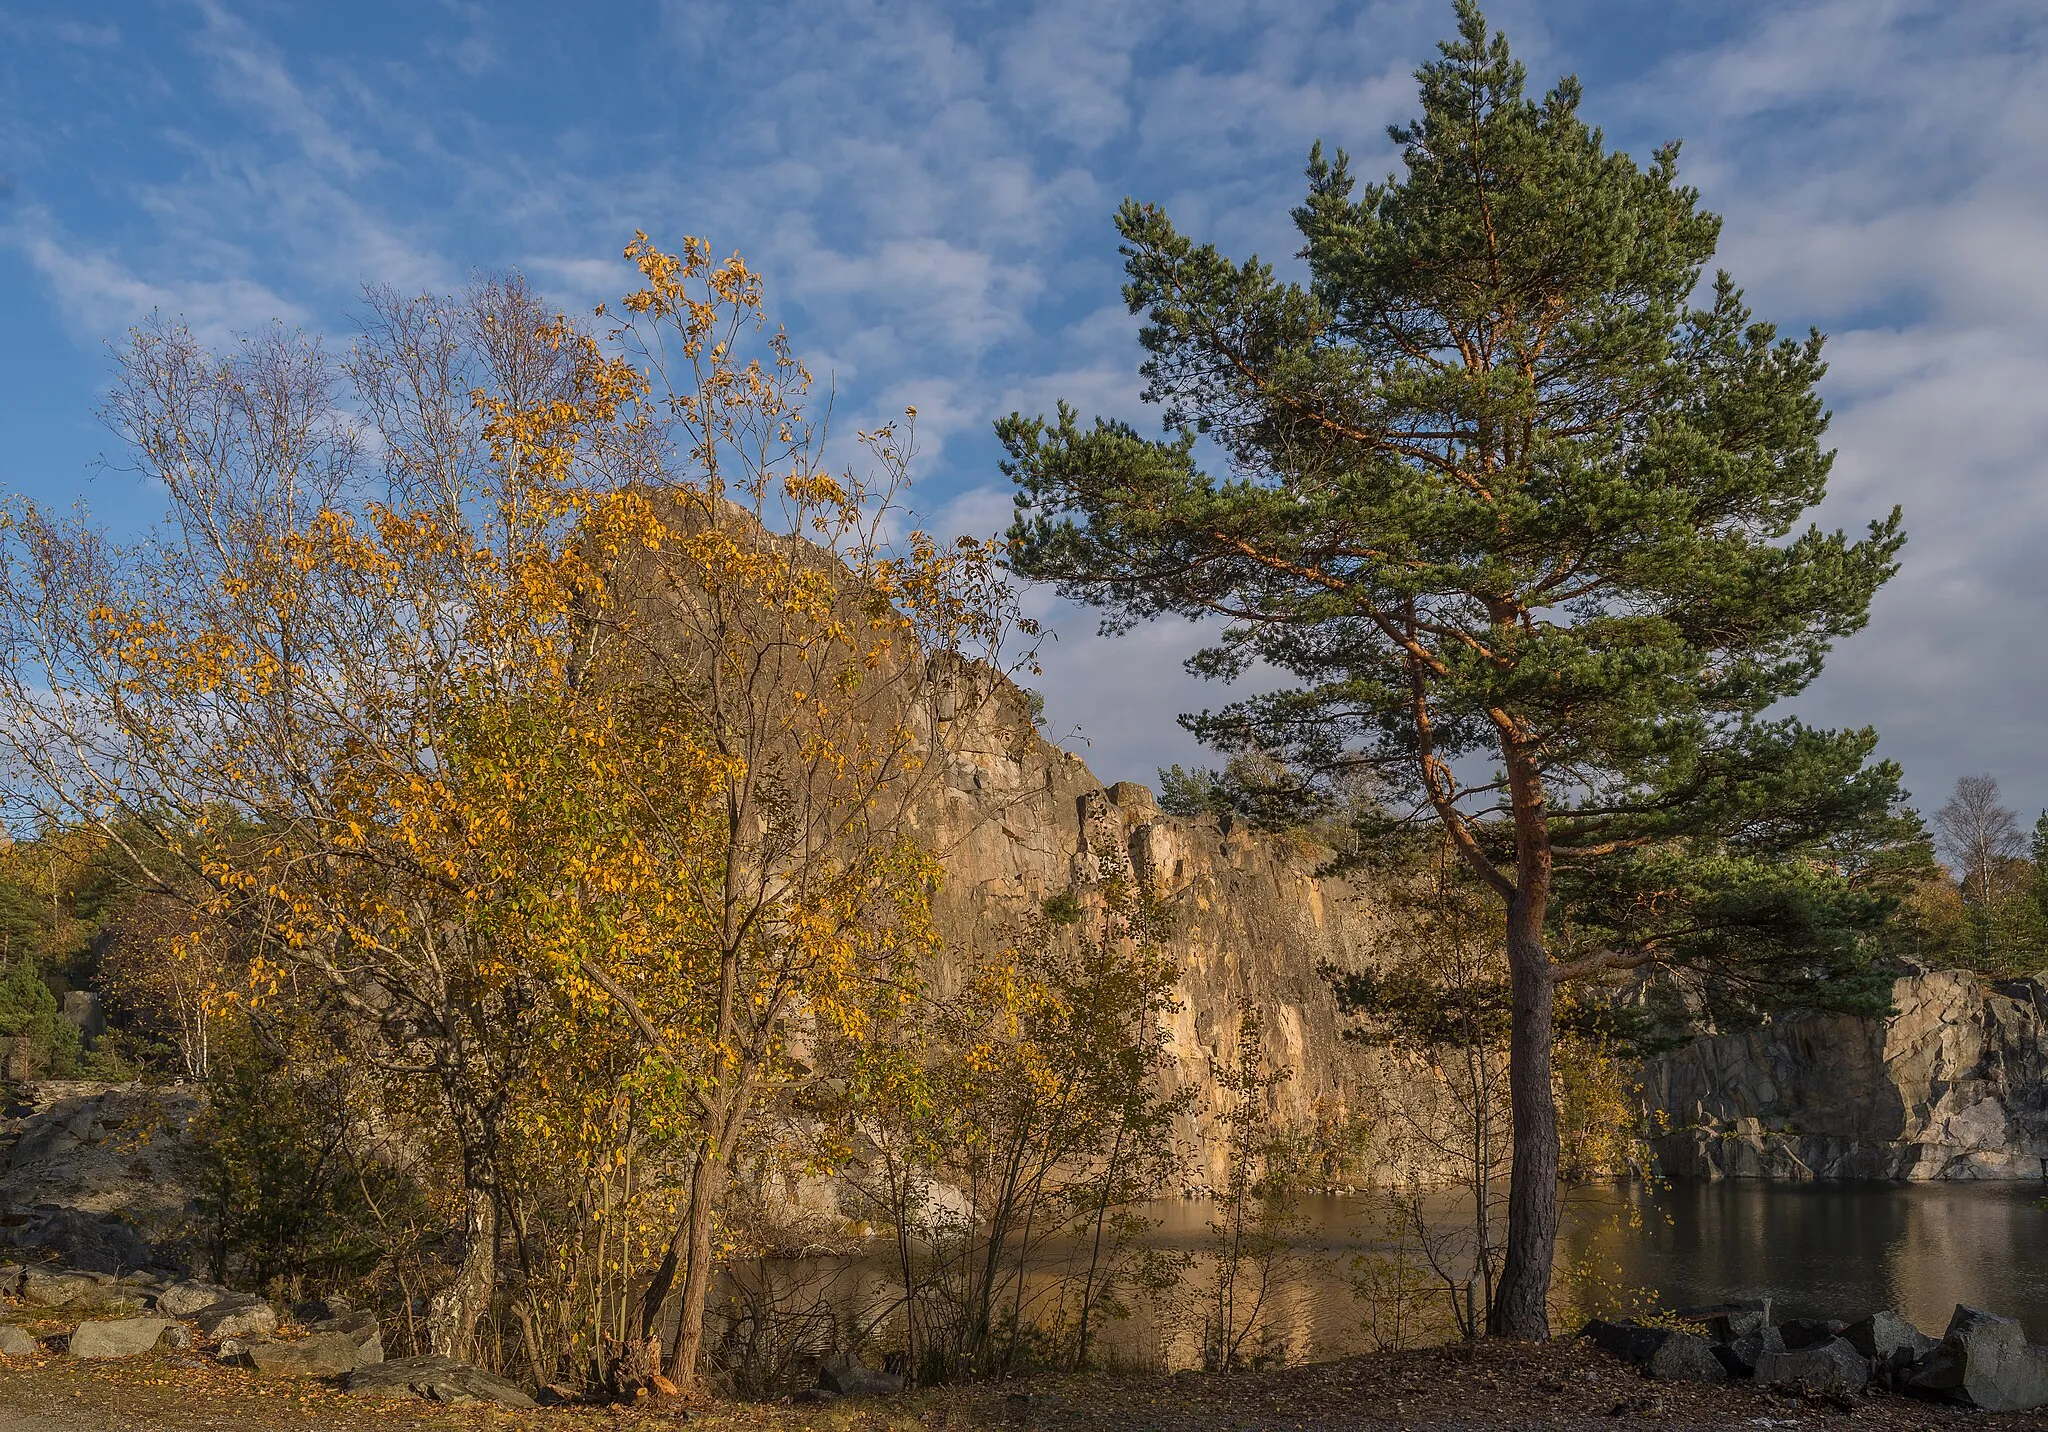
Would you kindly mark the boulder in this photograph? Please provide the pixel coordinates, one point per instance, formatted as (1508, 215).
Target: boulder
(1686, 1357)
(1725, 1322)
(1983, 1361)
(117, 1337)
(52, 1287)
(438, 1379)
(1818, 1370)
(1893, 1345)
(189, 1298)
(240, 1317)
(10, 1279)
(848, 1376)
(16, 1342)
(1810, 1332)
(48, 1286)
(317, 1355)
(362, 1329)
(1739, 1355)
(1631, 1342)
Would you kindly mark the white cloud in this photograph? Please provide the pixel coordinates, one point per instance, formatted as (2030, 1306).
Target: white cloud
(252, 75)
(99, 295)
(1069, 65)
(928, 188)
(1880, 167)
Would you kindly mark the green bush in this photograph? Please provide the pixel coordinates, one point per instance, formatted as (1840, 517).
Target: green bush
(1063, 908)
(284, 1197)
(28, 1010)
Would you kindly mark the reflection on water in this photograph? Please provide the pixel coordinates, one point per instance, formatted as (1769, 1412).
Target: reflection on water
(1837, 1250)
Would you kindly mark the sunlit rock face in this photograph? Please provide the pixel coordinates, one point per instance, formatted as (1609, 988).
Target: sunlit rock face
(1954, 1086)
(1019, 821)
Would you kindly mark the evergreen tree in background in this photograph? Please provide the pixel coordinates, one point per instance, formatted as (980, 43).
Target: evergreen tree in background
(1521, 522)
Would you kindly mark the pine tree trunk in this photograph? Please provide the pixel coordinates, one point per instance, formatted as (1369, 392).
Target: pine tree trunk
(1520, 1306)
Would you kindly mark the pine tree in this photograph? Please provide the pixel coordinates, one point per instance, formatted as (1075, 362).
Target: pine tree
(1519, 517)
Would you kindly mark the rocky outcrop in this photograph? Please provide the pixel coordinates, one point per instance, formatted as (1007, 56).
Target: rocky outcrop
(1019, 821)
(1953, 1086)
(98, 1174)
(1983, 1361)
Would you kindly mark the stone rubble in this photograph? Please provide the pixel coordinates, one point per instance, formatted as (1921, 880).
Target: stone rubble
(1982, 1360)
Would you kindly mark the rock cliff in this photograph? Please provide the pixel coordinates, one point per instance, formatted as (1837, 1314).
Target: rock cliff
(1952, 1086)
(1019, 820)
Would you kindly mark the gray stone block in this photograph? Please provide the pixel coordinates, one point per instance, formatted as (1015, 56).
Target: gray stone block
(52, 1287)
(1882, 1335)
(190, 1298)
(1686, 1357)
(1832, 1367)
(242, 1317)
(1984, 1361)
(319, 1355)
(117, 1337)
(1740, 1355)
(439, 1379)
(1631, 1342)
(848, 1376)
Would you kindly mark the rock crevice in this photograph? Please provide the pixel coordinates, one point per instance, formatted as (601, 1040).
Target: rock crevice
(1954, 1085)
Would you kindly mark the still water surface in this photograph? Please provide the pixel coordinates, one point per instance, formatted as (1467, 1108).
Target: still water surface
(1819, 1250)
(1829, 1250)
(1833, 1250)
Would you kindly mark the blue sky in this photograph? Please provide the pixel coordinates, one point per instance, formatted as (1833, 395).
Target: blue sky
(929, 188)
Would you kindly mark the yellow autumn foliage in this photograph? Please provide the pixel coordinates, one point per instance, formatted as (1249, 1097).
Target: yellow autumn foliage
(546, 714)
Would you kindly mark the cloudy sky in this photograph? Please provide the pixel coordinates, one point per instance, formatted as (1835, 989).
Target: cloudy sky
(929, 189)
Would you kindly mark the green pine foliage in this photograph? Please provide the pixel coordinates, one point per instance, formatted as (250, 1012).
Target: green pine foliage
(1503, 484)
(29, 1011)
(1517, 503)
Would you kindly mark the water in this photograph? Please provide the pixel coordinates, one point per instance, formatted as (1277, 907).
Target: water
(1827, 1250)
(1818, 1250)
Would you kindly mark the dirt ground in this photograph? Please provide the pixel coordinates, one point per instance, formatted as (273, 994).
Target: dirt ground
(1563, 1385)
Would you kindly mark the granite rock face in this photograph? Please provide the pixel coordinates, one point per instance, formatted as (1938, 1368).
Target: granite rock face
(1953, 1086)
(97, 1174)
(1018, 821)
